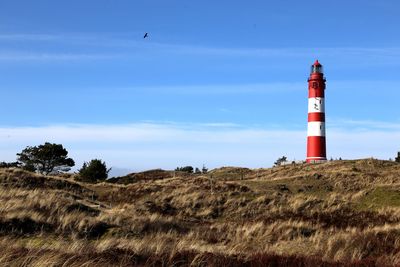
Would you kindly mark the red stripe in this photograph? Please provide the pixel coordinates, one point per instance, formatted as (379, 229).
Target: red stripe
(315, 92)
(316, 146)
(316, 116)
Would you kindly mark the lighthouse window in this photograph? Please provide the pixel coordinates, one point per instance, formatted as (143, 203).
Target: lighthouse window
(316, 69)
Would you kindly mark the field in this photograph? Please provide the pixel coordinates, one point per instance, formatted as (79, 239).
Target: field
(339, 213)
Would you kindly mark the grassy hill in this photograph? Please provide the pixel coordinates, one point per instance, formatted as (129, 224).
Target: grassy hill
(332, 214)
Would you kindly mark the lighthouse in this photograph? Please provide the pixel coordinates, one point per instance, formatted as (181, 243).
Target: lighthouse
(316, 140)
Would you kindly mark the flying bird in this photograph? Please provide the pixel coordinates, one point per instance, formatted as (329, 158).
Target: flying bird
(146, 35)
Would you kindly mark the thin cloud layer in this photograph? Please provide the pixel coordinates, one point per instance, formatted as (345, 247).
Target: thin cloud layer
(122, 47)
(167, 145)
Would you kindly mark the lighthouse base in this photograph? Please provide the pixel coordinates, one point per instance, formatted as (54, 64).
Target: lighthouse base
(316, 149)
(316, 160)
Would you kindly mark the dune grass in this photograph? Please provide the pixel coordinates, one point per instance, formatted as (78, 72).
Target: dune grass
(341, 213)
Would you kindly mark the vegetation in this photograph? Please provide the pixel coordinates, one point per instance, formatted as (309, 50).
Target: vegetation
(397, 159)
(204, 170)
(188, 169)
(280, 160)
(339, 213)
(94, 171)
(149, 175)
(9, 164)
(45, 159)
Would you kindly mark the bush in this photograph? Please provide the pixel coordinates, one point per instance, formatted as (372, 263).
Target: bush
(94, 171)
(188, 169)
(281, 160)
(9, 164)
(204, 170)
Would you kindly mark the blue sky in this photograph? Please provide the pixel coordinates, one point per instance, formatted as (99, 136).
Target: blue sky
(219, 83)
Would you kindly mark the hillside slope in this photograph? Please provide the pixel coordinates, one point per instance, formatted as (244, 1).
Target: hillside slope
(331, 214)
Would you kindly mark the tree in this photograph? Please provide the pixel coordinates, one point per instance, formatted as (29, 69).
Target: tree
(188, 169)
(281, 160)
(204, 170)
(397, 159)
(45, 159)
(94, 171)
(197, 171)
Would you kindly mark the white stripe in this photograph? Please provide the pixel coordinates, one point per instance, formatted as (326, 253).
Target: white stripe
(316, 128)
(316, 104)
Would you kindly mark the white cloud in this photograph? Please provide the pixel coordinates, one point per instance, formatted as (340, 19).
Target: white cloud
(167, 145)
(141, 132)
(363, 143)
(364, 125)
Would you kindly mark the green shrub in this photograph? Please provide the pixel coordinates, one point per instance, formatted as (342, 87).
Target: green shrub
(94, 171)
(188, 169)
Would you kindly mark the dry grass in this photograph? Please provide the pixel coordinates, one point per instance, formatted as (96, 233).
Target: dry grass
(334, 214)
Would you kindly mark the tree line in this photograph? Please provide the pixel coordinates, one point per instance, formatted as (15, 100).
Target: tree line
(189, 169)
(53, 159)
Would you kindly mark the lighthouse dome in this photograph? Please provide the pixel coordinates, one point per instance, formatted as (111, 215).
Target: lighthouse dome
(317, 67)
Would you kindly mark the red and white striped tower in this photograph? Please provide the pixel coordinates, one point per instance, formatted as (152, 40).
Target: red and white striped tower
(316, 141)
